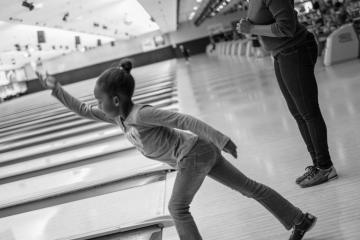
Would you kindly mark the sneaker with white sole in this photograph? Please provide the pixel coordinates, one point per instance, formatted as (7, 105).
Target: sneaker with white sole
(319, 176)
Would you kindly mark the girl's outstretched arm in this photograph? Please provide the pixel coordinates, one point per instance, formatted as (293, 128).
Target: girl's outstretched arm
(81, 108)
(157, 117)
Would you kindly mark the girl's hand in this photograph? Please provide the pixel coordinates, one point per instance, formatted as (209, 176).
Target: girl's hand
(244, 26)
(230, 148)
(49, 82)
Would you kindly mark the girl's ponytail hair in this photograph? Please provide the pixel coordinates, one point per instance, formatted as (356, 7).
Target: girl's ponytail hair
(117, 79)
(126, 64)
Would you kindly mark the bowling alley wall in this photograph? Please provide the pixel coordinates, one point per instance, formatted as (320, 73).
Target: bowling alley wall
(82, 65)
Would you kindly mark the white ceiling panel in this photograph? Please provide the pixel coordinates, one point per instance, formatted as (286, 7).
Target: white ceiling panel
(114, 18)
(195, 7)
(164, 12)
(190, 6)
(107, 20)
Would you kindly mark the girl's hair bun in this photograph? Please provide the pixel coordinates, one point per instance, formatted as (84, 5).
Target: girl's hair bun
(126, 64)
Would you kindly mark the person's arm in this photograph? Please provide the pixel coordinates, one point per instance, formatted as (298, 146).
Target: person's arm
(81, 108)
(285, 17)
(263, 30)
(157, 117)
(284, 25)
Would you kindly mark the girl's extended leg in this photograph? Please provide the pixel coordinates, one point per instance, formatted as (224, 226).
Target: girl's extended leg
(225, 173)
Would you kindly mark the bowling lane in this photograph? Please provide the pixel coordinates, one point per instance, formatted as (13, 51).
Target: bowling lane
(96, 215)
(157, 97)
(142, 89)
(152, 94)
(142, 74)
(146, 98)
(40, 111)
(19, 120)
(46, 128)
(35, 138)
(97, 127)
(29, 109)
(50, 121)
(42, 132)
(117, 166)
(66, 156)
(70, 142)
(147, 90)
(76, 123)
(34, 113)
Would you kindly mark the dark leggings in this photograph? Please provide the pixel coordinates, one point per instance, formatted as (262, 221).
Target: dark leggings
(294, 69)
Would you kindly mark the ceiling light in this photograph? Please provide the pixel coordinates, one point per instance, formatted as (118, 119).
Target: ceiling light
(192, 14)
(127, 20)
(195, 8)
(199, 1)
(30, 6)
(210, 9)
(39, 5)
(27, 54)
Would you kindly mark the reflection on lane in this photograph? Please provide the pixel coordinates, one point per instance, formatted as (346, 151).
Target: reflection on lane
(43, 132)
(62, 158)
(119, 167)
(156, 90)
(57, 145)
(100, 214)
(57, 135)
(163, 102)
(74, 125)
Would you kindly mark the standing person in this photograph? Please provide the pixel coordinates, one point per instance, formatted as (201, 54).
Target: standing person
(295, 53)
(154, 133)
(185, 53)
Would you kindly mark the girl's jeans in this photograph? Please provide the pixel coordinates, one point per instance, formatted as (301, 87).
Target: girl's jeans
(205, 159)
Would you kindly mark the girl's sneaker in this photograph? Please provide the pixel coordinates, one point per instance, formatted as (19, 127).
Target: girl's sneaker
(306, 225)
